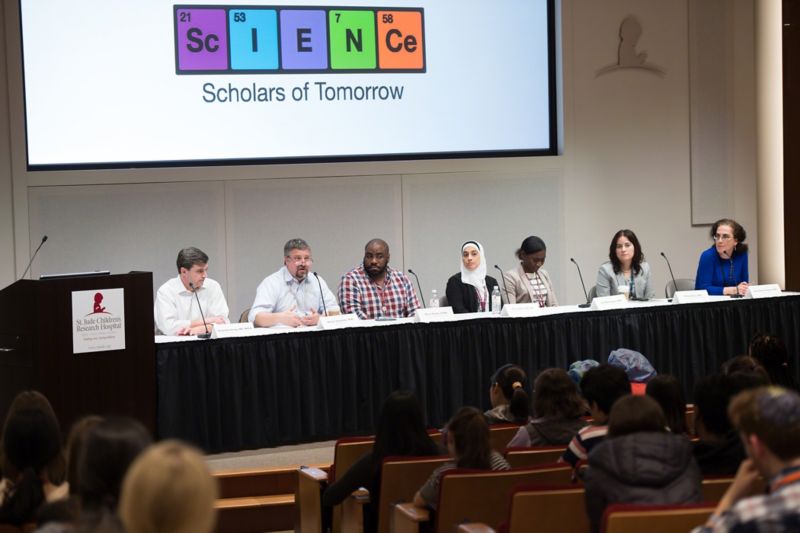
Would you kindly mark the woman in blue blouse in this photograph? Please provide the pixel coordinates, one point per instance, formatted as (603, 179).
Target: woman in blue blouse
(723, 267)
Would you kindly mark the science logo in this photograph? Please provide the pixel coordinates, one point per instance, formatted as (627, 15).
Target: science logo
(298, 39)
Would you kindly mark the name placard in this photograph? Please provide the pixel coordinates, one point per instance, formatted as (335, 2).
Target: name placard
(224, 331)
(690, 297)
(770, 290)
(433, 314)
(617, 301)
(339, 321)
(522, 310)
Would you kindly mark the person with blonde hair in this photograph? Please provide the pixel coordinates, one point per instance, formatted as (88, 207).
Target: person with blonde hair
(168, 488)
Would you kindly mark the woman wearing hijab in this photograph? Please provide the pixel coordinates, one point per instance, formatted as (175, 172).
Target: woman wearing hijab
(470, 291)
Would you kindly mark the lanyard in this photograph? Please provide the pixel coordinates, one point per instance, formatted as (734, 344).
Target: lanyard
(730, 275)
(788, 479)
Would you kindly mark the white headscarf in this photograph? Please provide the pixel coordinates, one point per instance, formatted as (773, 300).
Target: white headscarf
(477, 277)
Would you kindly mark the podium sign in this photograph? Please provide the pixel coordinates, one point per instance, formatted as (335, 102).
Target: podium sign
(102, 328)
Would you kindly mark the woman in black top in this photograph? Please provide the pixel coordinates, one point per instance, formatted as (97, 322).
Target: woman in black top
(400, 432)
(470, 290)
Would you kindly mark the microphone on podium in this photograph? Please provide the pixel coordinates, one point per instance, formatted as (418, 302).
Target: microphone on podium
(674, 283)
(585, 294)
(44, 239)
(321, 296)
(207, 334)
(421, 295)
(505, 287)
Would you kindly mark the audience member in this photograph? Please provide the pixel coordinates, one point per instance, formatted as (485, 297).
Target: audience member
(771, 352)
(557, 408)
(168, 489)
(63, 514)
(509, 396)
(744, 363)
(468, 444)
(639, 461)
(400, 431)
(109, 449)
(31, 399)
(31, 441)
(601, 386)
(719, 450)
(636, 367)
(768, 420)
(668, 392)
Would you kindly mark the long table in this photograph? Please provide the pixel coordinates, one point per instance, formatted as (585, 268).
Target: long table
(268, 390)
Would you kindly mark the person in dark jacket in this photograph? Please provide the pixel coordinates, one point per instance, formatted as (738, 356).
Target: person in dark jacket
(557, 407)
(400, 432)
(640, 461)
(470, 291)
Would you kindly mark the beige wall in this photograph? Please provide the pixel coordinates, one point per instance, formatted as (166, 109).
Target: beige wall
(626, 163)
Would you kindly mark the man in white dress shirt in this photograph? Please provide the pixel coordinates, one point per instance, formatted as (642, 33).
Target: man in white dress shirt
(176, 308)
(291, 296)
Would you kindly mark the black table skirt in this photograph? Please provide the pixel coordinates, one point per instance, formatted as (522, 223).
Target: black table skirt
(254, 392)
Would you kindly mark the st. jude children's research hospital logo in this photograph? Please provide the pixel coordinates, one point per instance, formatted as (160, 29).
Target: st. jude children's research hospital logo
(298, 39)
(98, 319)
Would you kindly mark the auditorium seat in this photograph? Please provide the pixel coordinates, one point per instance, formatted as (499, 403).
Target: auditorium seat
(401, 477)
(519, 457)
(501, 434)
(627, 518)
(475, 496)
(714, 487)
(260, 499)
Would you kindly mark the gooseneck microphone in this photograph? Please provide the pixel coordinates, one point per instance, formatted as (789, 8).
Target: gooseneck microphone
(205, 335)
(44, 239)
(674, 283)
(421, 294)
(585, 294)
(321, 296)
(505, 287)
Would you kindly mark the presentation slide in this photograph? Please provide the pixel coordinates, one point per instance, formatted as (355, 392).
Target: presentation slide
(121, 83)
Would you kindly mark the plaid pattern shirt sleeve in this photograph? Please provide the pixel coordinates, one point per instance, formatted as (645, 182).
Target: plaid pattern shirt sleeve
(779, 511)
(359, 295)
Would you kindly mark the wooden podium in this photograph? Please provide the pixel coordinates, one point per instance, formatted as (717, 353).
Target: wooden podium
(36, 350)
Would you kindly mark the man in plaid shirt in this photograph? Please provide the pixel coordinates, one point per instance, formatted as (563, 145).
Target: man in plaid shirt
(768, 420)
(374, 290)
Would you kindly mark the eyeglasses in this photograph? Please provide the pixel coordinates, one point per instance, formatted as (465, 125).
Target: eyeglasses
(299, 260)
(723, 237)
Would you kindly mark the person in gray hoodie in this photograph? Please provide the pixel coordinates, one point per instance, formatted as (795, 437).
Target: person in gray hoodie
(639, 461)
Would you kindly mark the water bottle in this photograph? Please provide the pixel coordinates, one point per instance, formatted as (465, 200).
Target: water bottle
(496, 301)
(434, 301)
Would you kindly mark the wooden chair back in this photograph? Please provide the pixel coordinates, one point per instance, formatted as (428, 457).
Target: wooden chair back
(521, 457)
(714, 487)
(625, 518)
(548, 509)
(401, 477)
(482, 496)
(501, 434)
(347, 451)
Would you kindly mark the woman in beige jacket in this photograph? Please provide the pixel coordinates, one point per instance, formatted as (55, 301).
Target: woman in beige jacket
(529, 282)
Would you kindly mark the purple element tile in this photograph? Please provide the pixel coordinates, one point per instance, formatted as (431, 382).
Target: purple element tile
(202, 39)
(304, 39)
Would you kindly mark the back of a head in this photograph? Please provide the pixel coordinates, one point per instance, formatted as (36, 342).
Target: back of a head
(603, 385)
(634, 414)
(668, 392)
(110, 448)
(711, 396)
(513, 381)
(75, 443)
(35, 400)
(168, 489)
(31, 441)
(401, 428)
(773, 415)
(771, 352)
(470, 434)
(556, 396)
